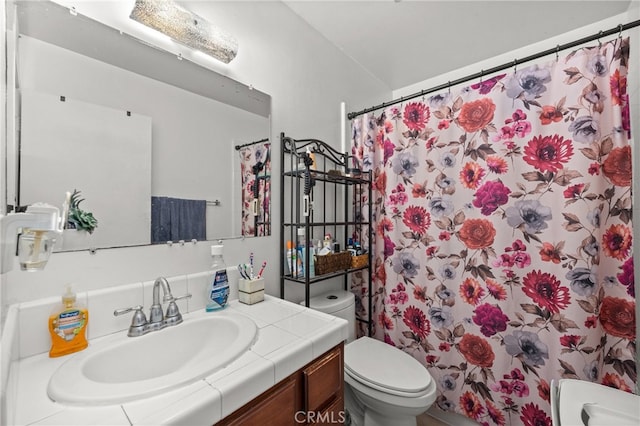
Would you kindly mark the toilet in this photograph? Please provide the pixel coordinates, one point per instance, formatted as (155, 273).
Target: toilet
(579, 402)
(383, 385)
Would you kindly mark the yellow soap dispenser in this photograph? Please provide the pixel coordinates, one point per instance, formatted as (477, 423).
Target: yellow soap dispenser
(68, 327)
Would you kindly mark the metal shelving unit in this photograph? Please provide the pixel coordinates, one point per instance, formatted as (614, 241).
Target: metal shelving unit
(322, 199)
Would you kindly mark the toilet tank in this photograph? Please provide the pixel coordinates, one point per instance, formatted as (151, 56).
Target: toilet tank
(339, 303)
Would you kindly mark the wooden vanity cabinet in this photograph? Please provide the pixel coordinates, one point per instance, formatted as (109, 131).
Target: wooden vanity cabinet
(312, 395)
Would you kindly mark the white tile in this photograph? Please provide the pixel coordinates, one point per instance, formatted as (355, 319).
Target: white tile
(32, 402)
(324, 331)
(245, 384)
(272, 338)
(243, 362)
(290, 358)
(71, 416)
(182, 406)
(103, 302)
(269, 311)
(197, 286)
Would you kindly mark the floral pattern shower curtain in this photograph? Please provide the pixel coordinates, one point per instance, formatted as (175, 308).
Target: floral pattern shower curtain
(255, 169)
(503, 234)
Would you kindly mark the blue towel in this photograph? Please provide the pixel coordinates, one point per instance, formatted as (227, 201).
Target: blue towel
(174, 219)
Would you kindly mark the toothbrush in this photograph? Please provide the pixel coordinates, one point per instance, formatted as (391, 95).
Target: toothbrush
(264, 264)
(251, 263)
(242, 273)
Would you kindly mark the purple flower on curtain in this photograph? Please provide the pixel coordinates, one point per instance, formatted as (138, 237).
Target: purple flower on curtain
(440, 100)
(404, 164)
(441, 206)
(447, 271)
(597, 65)
(591, 370)
(583, 280)
(545, 291)
(485, 86)
(440, 316)
(416, 115)
(490, 318)
(446, 184)
(584, 129)
(447, 160)
(548, 153)
(448, 382)
(618, 166)
(626, 277)
(527, 346)
(490, 196)
(530, 214)
(405, 264)
(447, 296)
(528, 83)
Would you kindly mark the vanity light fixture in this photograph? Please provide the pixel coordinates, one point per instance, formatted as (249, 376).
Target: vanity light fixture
(186, 28)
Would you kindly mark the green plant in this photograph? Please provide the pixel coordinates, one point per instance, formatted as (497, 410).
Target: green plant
(78, 218)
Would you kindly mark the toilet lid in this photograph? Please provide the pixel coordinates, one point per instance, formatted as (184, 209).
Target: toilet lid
(372, 361)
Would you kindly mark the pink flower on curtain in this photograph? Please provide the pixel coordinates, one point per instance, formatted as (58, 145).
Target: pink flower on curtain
(490, 318)
(417, 219)
(548, 153)
(417, 322)
(545, 290)
(490, 196)
(626, 277)
(416, 115)
(532, 415)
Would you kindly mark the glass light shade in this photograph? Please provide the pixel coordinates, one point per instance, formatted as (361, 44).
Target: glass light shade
(186, 28)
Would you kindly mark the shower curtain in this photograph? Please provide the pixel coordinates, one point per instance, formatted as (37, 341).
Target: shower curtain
(503, 234)
(255, 169)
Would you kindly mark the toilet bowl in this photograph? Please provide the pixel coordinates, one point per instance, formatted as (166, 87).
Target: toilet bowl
(383, 385)
(578, 402)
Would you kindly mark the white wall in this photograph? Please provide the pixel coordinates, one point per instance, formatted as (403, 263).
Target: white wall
(307, 78)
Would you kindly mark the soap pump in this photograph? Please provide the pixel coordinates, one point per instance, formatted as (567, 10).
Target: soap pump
(68, 326)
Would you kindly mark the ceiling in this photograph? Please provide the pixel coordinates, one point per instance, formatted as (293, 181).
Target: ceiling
(403, 42)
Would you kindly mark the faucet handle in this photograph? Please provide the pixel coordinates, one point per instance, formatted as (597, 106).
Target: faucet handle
(138, 321)
(173, 316)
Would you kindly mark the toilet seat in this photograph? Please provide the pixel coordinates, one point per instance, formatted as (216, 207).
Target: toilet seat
(390, 370)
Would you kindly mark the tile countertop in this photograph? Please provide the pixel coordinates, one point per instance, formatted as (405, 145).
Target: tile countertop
(289, 337)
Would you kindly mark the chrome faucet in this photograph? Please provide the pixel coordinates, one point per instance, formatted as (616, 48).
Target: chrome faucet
(157, 320)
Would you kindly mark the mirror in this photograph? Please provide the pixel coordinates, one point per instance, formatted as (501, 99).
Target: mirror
(181, 152)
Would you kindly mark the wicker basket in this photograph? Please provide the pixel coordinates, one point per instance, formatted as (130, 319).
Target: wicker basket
(359, 261)
(332, 262)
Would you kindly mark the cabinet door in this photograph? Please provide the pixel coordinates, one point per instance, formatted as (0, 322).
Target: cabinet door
(333, 415)
(323, 381)
(276, 407)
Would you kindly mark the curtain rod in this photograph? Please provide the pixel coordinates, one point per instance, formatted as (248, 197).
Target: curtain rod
(515, 62)
(239, 147)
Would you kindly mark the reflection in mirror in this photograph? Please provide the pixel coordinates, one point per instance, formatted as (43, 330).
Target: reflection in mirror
(182, 157)
(255, 171)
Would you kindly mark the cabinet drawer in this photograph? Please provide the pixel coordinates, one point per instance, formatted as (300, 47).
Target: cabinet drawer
(276, 407)
(323, 381)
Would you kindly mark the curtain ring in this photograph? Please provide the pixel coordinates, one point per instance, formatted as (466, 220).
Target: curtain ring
(620, 31)
(481, 75)
(599, 42)
(515, 65)
(557, 52)
(449, 87)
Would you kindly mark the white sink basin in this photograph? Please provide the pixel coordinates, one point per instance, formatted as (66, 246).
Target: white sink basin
(139, 367)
